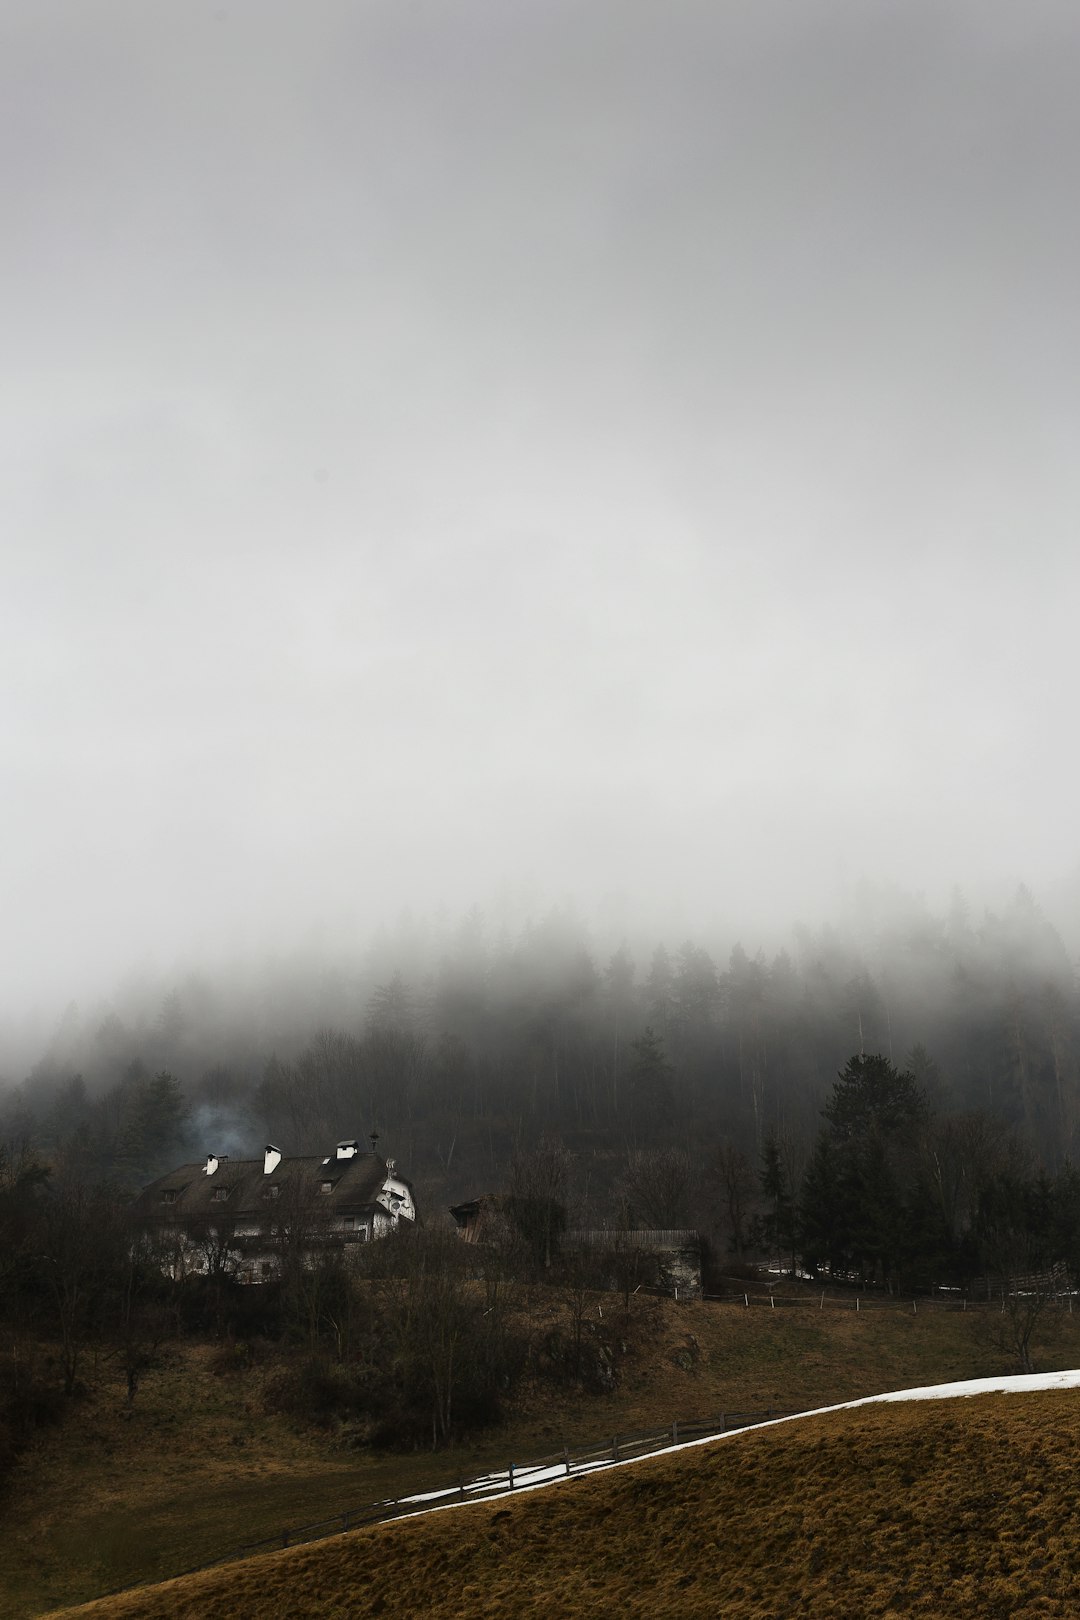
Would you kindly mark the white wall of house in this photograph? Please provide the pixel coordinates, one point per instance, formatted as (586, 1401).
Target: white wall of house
(397, 1198)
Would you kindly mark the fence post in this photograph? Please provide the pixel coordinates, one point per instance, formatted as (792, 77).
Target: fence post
(566, 1456)
(856, 1301)
(675, 1432)
(284, 1538)
(914, 1308)
(746, 1301)
(821, 1303)
(615, 1448)
(772, 1302)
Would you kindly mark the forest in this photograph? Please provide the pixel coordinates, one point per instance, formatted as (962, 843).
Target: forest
(895, 1111)
(681, 1090)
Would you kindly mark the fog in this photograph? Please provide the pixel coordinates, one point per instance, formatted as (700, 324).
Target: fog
(483, 454)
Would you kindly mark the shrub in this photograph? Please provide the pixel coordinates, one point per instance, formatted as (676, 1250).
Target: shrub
(313, 1389)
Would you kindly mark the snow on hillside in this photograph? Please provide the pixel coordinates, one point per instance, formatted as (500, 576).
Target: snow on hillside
(532, 1479)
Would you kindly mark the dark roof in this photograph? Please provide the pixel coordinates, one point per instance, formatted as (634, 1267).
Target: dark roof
(473, 1206)
(355, 1186)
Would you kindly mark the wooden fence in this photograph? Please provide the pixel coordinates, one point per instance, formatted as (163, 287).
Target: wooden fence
(989, 1293)
(604, 1454)
(515, 1476)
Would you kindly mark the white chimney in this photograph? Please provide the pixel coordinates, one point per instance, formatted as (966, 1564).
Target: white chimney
(213, 1161)
(347, 1150)
(271, 1158)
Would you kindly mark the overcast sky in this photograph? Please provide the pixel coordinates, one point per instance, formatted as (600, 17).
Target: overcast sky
(458, 448)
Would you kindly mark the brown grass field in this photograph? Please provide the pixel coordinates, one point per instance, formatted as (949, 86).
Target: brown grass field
(199, 1468)
(959, 1508)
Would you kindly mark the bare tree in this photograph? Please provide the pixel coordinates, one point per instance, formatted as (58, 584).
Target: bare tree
(536, 1206)
(83, 1241)
(660, 1187)
(440, 1334)
(141, 1319)
(735, 1183)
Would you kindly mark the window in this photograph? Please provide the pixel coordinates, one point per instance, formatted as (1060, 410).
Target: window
(264, 1269)
(220, 1194)
(348, 1222)
(273, 1192)
(327, 1186)
(169, 1196)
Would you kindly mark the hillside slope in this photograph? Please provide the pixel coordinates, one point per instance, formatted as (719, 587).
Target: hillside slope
(204, 1464)
(965, 1507)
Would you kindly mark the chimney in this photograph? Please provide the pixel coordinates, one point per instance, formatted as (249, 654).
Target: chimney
(347, 1150)
(213, 1161)
(271, 1158)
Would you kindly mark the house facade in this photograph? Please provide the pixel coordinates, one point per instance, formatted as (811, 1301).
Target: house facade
(253, 1218)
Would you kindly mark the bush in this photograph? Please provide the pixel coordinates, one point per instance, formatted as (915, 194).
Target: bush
(27, 1404)
(236, 1356)
(313, 1389)
(221, 1305)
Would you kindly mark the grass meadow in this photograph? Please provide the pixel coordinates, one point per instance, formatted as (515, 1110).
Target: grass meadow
(964, 1507)
(200, 1467)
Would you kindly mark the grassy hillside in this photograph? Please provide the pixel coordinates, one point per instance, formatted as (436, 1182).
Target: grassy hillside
(963, 1507)
(200, 1466)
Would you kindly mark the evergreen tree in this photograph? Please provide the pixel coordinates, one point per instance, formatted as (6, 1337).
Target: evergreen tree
(778, 1222)
(153, 1125)
(660, 992)
(822, 1215)
(651, 1097)
(870, 1094)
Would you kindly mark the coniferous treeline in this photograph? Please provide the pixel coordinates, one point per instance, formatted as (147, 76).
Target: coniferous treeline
(462, 1049)
(900, 1109)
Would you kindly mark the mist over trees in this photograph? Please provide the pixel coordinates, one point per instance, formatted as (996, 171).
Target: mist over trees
(893, 1107)
(464, 1048)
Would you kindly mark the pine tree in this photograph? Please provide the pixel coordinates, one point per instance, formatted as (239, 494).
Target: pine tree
(778, 1223)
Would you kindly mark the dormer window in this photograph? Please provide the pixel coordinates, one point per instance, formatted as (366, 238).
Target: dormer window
(326, 1186)
(273, 1192)
(220, 1194)
(169, 1196)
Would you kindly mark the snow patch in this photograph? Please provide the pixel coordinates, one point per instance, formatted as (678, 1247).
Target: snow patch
(534, 1479)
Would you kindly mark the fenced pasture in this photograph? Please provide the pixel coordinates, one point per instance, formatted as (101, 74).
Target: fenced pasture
(1052, 1287)
(515, 1476)
(242, 1475)
(965, 1507)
